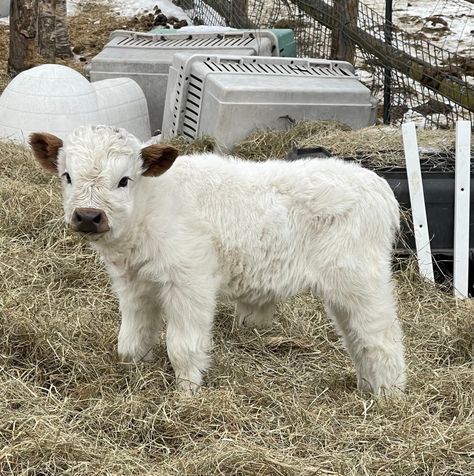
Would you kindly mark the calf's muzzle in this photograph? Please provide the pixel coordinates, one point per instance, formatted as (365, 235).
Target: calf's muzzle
(89, 220)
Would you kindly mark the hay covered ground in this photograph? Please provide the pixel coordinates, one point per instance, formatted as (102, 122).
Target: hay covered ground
(282, 402)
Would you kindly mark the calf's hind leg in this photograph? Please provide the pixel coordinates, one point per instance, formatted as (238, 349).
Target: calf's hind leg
(253, 316)
(365, 314)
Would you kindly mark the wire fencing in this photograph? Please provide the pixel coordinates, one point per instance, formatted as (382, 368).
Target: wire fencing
(427, 74)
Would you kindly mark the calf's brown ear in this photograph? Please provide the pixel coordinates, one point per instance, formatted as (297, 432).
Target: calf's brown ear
(157, 159)
(45, 149)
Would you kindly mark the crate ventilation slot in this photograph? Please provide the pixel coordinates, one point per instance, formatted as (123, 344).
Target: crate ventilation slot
(275, 68)
(189, 42)
(192, 107)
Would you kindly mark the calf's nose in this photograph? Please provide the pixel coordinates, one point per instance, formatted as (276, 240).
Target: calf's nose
(89, 220)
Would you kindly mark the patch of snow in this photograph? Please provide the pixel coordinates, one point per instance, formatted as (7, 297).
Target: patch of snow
(4, 12)
(129, 8)
(204, 29)
(4, 8)
(413, 116)
(413, 15)
(71, 6)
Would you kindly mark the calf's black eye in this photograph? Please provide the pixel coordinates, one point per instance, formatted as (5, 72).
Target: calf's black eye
(124, 181)
(67, 176)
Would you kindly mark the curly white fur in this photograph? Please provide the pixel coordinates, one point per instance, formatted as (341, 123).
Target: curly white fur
(256, 233)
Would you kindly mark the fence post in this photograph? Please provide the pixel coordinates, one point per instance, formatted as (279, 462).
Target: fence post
(235, 12)
(239, 12)
(387, 80)
(345, 15)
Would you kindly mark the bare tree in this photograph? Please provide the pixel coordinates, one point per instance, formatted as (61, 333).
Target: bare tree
(37, 27)
(23, 21)
(52, 36)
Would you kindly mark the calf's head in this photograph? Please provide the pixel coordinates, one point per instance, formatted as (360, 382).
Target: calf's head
(101, 169)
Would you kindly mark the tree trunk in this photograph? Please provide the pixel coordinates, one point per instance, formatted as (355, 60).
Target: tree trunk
(239, 12)
(53, 38)
(63, 45)
(37, 26)
(23, 20)
(47, 29)
(342, 47)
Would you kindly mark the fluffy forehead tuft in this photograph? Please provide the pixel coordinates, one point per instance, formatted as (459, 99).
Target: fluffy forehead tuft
(98, 146)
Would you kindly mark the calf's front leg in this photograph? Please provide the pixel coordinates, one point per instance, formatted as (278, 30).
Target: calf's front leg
(141, 321)
(190, 315)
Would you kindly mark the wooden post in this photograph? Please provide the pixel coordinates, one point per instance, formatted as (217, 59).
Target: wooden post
(387, 80)
(345, 14)
(37, 27)
(23, 22)
(239, 12)
(235, 12)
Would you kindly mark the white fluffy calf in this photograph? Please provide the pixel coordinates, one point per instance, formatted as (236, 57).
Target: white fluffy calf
(178, 232)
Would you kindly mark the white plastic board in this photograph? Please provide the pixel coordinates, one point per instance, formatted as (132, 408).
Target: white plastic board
(461, 209)
(417, 199)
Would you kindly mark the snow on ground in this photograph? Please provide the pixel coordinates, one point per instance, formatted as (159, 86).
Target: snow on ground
(130, 8)
(448, 24)
(4, 11)
(204, 29)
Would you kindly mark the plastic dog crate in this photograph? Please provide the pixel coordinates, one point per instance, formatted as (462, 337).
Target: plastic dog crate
(227, 97)
(146, 58)
(285, 37)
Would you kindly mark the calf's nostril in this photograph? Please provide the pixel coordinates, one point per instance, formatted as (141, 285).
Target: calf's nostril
(97, 218)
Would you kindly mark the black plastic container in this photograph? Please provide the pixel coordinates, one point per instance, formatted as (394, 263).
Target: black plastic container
(438, 188)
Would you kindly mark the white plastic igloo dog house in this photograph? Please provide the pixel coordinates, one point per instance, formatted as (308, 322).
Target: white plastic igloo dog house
(57, 99)
(146, 58)
(226, 97)
(121, 103)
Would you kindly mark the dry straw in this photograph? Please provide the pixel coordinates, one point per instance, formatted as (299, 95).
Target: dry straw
(282, 402)
(379, 146)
